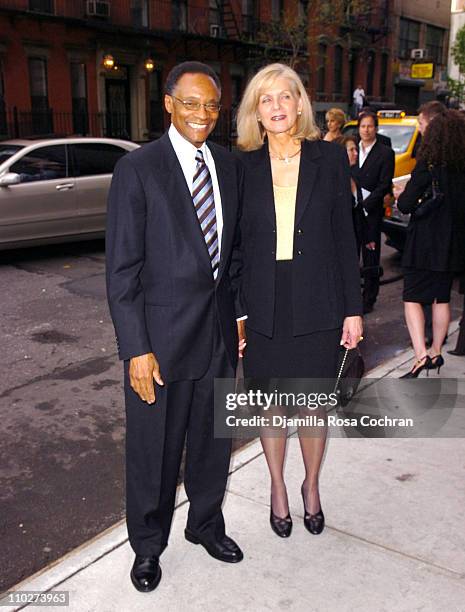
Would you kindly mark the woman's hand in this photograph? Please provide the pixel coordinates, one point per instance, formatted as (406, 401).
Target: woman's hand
(352, 331)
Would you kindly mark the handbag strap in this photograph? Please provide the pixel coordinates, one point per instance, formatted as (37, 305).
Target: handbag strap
(341, 369)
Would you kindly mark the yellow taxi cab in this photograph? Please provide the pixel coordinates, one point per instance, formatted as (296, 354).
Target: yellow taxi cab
(402, 129)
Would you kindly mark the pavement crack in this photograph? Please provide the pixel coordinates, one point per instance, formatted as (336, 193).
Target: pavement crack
(73, 371)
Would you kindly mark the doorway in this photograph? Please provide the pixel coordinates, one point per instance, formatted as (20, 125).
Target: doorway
(118, 105)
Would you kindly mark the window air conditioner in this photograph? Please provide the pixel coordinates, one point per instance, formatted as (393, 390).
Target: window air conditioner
(215, 30)
(98, 8)
(417, 54)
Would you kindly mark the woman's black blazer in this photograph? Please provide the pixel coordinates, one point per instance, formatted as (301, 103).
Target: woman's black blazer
(326, 278)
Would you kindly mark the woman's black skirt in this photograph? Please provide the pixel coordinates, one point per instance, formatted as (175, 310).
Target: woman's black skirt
(426, 286)
(285, 356)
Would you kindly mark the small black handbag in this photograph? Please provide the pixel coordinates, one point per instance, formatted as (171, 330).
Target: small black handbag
(432, 199)
(351, 368)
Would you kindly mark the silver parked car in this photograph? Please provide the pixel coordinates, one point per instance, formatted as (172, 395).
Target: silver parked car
(55, 190)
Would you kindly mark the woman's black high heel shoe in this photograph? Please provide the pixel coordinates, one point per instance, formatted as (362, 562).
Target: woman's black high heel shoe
(418, 367)
(314, 523)
(281, 526)
(436, 362)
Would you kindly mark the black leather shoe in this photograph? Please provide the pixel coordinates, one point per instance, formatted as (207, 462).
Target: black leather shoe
(224, 549)
(146, 573)
(281, 526)
(456, 352)
(436, 362)
(422, 364)
(314, 523)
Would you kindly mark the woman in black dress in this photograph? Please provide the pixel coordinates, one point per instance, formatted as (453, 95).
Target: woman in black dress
(301, 283)
(435, 245)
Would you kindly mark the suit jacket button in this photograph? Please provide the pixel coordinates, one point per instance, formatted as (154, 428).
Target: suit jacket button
(299, 231)
(272, 252)
(299, 252)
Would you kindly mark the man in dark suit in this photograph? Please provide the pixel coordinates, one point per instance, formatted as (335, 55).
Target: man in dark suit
(373, 175)
(172, 282)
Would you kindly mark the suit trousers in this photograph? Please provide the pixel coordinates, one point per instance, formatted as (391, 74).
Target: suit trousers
(371, 281)
(183, 413)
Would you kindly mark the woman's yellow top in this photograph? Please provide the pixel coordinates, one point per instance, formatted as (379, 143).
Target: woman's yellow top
(284, 203)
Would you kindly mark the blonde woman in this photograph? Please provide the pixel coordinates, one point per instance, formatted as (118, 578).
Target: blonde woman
(335, 119)
(301, 279)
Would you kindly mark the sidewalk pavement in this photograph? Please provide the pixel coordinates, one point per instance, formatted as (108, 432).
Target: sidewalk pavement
(394, 537)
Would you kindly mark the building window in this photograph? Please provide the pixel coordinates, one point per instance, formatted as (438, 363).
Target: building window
(41, 114)
(249, 14)
(338, 65)
(371, 72)
(321, 72)
(409, 37)
(140, 13)
(79, 98)
(214, 13)
(179, 15)
(41, 6)
(434, 43)
(155, 104)
(383, 75)
(3, 128)
(277, 7)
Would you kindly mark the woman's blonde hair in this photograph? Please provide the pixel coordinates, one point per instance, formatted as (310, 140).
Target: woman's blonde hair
(337, 114)
(250, 132)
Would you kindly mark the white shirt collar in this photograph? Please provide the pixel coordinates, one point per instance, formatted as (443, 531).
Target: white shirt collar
(182, 146)
(367, 149)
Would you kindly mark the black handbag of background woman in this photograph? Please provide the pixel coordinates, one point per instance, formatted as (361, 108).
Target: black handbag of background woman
(432, 199)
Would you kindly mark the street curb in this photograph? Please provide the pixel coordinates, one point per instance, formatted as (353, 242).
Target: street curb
(88, 553)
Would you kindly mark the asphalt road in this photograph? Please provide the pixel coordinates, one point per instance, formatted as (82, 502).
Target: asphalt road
(62, 425)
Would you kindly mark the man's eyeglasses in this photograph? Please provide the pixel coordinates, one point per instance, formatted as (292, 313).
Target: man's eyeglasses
(191, 105)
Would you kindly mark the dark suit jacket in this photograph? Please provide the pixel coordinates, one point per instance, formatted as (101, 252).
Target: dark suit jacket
(326, 279)
(375, 176)
(160, 286)
(385, 140)
(437, 240)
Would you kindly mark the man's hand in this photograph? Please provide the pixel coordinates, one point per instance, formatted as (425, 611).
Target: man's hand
(143, 369)
(242, 337)
(352, 331)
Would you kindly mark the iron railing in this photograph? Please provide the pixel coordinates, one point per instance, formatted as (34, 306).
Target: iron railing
(16, 123)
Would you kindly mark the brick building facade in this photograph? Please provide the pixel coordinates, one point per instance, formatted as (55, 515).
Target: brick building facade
(56, 72)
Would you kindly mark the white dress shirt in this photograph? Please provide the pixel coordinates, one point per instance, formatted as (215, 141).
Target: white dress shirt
(363, 152)
(186, 152)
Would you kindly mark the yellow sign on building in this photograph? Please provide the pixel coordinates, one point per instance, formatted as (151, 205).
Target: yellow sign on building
(422, 71)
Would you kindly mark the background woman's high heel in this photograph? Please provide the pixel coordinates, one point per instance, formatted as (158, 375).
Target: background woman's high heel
(418, 367)
(314, 523)
(437, 361)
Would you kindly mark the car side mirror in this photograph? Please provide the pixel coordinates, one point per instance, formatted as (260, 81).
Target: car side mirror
(10, 178)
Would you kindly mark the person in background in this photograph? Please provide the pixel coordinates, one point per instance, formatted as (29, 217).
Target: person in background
(435, 244)
(358, 98)
(426, 113)
(373, 175)
(335, 119)
(301, 282)
(358, 216)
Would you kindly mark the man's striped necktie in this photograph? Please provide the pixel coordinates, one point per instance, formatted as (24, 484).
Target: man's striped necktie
(204, 203)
